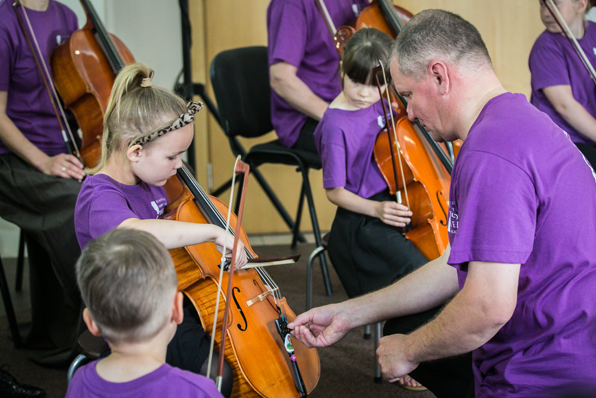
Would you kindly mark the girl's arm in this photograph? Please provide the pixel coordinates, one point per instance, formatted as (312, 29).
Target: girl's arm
(572, 111)
(175, 234)
(391, 213)
(62, 165)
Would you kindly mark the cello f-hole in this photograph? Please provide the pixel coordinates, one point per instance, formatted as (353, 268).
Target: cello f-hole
(243, 329)
(443, 223)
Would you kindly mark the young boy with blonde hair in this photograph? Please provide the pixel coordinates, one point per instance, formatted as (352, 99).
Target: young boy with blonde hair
(129, 286)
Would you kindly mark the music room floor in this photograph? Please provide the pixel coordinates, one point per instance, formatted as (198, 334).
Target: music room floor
(346, 368)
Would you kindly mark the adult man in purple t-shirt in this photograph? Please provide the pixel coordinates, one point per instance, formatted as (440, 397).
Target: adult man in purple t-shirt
(303, 65)
(516, 281)
(38, 179)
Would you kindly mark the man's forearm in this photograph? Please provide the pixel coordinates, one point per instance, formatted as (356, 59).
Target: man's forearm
(428, 287)
(471, 319)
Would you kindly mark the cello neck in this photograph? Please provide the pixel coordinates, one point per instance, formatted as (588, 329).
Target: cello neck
(204, 203)
(108, 47)
(391, 16)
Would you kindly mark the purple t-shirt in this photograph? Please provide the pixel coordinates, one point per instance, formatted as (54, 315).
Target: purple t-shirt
(166, 381)
(345, 141)
(553, 62)
(103, 204)
(28, 104)
(298, 35)
(522, 193)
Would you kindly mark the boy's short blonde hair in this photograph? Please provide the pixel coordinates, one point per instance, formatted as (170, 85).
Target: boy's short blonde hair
(128, 283)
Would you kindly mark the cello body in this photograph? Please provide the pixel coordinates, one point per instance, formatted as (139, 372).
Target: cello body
(84, 69)
(424, 185)
(254, 348)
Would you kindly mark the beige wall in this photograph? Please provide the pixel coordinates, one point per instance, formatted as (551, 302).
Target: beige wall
(509, 28)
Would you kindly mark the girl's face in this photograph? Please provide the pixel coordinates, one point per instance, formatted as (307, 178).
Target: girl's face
(157, 162)
(360, 96)
(572, 12)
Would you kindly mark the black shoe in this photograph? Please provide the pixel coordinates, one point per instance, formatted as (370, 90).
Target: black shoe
(10, 388)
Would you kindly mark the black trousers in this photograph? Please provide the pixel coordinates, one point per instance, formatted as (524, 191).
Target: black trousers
(446, 378)
(368, 254)
(306, 141)
(43, 207)
(589, 152)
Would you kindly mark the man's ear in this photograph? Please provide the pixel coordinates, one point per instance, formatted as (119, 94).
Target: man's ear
(134, 153)
(440, 76)
(91, 325)
(177, 308)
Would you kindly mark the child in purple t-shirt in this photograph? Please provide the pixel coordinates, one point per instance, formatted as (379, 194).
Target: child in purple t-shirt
(146, 130)
(129, 286)
(366, 245)
(561, 85)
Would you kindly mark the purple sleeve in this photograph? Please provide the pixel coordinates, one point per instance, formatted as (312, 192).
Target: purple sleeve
(333, 155)
(287, 33)
(107, 211)
(548, 65)
(496, 205)
(6, 57)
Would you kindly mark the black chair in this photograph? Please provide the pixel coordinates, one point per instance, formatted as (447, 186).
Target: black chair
(240, 80)
(90, 348)
(9, 309)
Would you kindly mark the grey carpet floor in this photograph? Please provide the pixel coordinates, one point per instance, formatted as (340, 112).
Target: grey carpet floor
(346, 368)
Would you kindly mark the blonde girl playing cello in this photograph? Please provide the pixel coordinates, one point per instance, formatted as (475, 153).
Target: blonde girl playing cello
(146, 131)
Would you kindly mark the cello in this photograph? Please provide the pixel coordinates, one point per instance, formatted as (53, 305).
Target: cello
(253, 346)
(84, 68)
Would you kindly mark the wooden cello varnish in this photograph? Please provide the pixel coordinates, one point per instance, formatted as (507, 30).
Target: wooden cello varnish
(84, 69)
(254, 349)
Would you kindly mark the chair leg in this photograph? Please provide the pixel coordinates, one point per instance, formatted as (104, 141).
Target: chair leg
(20, 263)
(277, 204)
(12, 320)
(378, 378)
(240, 180)
(367, 334)
(296, 229)
(317, 232)
(312, 257)
(76, 363)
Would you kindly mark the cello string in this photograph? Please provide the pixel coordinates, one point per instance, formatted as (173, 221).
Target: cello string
(51, 82)
(401, 169)
(265, 277)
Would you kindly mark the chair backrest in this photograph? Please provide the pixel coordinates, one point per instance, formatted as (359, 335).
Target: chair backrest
(240, 80)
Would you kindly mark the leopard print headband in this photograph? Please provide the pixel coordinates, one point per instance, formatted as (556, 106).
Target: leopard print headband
(184, 119)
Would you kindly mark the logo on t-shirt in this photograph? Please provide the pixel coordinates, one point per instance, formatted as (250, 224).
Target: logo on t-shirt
(158, 205)
(381, 121)
(453, 223)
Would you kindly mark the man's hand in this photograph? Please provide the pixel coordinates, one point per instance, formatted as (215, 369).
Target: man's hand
(320, 327)
(65, 166)
(391, 355)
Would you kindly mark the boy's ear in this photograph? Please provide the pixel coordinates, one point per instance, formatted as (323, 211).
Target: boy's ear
(177, 310)
(91, 325)
(134, 153)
